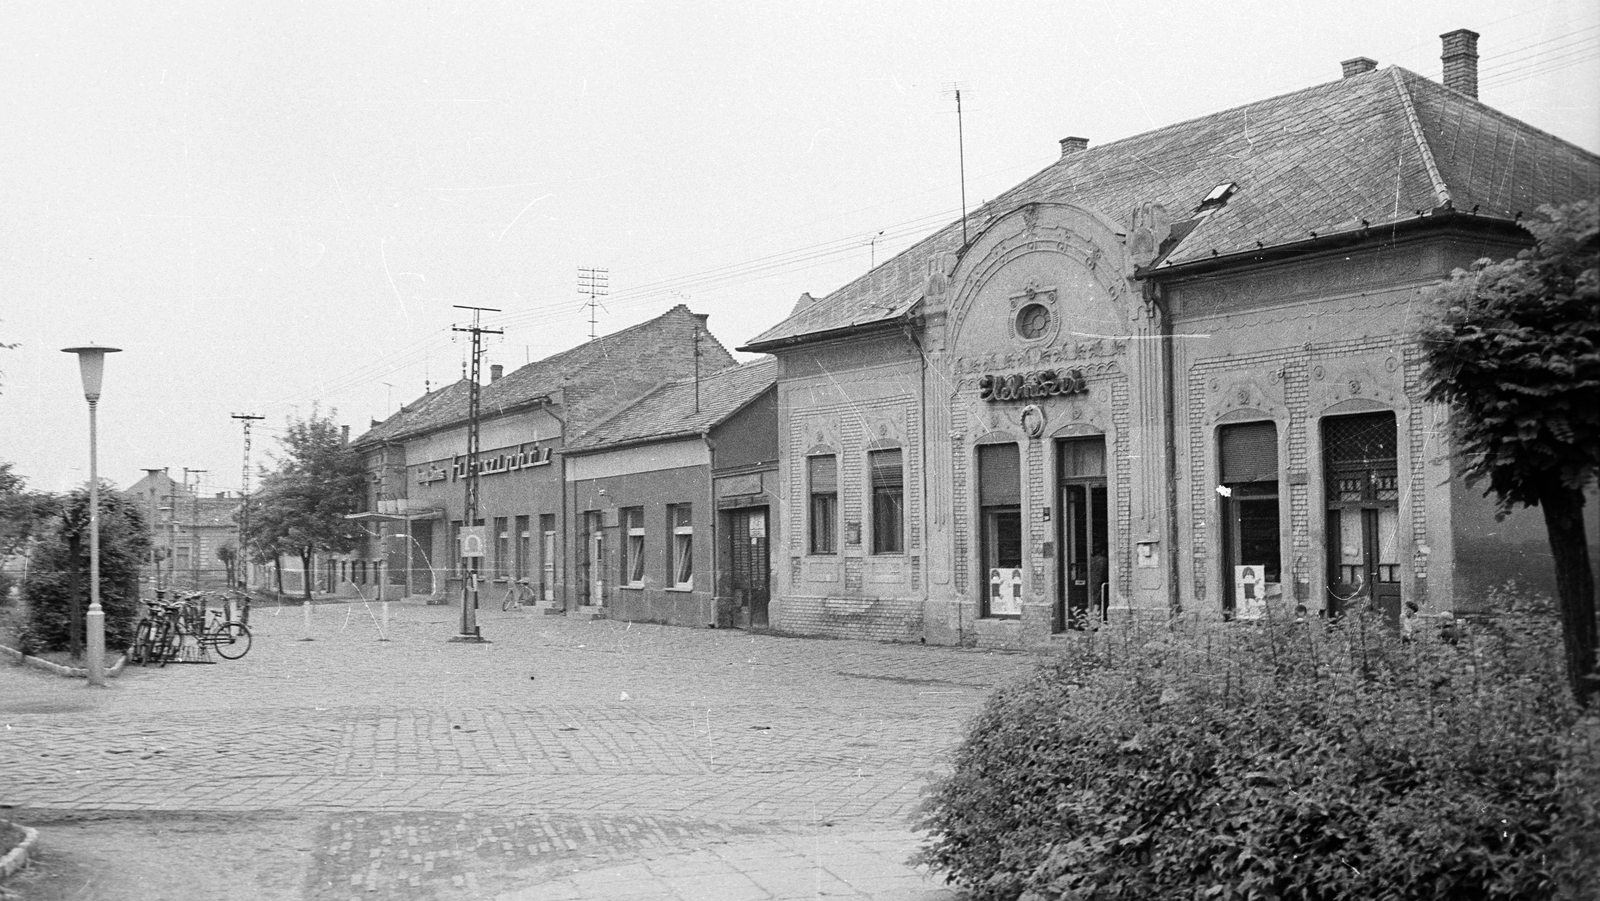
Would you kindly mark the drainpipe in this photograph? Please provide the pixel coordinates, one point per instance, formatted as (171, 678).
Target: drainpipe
(909, 325)
(711, 495)
(1152, 293)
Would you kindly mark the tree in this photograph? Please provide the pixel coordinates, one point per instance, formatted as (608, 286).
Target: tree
(1514, 349)
(302, 505)
(22, 512)
(57, 587)
(229, 555)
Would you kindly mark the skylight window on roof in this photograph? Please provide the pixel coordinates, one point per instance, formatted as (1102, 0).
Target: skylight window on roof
(1219, 195)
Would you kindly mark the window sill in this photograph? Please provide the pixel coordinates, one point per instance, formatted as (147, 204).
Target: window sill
(684, 589)
(632, 586)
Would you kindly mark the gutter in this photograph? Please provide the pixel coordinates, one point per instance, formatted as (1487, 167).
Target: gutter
(1426, 220)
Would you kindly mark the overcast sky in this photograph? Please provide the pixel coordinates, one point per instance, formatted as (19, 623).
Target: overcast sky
(271, 208)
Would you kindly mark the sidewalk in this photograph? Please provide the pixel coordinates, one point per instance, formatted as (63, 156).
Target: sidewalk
(869, 866)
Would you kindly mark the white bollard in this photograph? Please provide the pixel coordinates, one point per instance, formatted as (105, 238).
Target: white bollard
(383, 633)
(305, 606)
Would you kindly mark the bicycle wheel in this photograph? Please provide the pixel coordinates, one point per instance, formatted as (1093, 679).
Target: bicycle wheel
(168, 641)
(139, 648)
(232, 640)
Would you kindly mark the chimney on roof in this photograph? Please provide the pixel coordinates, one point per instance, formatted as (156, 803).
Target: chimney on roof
(1361, 65)
(1460, 58)
(495, 372)
(1073, 145)
(344, 434)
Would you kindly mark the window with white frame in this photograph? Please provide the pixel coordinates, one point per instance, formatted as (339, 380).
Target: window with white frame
(524, 548)
(633, 547)
(680, 545)
(502, 547)
(547, 557)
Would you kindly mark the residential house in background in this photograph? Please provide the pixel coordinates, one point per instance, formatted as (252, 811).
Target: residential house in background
(671, 499)
(188, 530)
(1171, 372)
(416, 460)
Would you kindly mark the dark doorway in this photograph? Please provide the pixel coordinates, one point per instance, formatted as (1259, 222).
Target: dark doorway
(1084, 595)
(420, 554)
(751, 571)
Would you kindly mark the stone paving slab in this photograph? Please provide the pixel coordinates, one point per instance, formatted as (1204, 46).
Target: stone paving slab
(562, 750)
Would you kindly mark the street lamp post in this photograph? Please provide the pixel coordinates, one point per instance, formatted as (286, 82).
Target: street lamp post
(92, 365)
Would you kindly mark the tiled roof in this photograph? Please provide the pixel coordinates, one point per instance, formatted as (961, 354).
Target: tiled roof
(678, 409)
(1380, 147)
(630, 354)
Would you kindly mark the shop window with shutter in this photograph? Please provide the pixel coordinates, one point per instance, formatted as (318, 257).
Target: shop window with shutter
(1000, 510)
(1252, 537)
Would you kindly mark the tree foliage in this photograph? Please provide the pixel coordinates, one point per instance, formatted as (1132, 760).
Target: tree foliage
(58, 574)
(302, 504)
(1514, 349)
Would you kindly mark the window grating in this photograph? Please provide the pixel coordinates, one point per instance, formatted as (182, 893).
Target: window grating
(1361, 458)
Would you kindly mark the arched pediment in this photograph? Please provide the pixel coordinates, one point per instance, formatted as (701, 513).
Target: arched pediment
(1045, 281)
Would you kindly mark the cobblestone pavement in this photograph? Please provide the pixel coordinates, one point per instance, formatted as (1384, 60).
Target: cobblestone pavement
(563, 759)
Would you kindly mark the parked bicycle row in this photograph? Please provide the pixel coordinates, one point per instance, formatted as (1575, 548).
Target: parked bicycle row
(190, 626)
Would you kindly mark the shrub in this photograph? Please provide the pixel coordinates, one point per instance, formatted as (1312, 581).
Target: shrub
(1274, 760)
(53, 583)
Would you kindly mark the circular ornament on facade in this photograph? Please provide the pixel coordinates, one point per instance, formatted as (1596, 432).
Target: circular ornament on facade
(1317, 373)
(1355, 386)
(1032, 421)
(1391, 364)
(1244, 395)
(1215, 384)
(1033, 321)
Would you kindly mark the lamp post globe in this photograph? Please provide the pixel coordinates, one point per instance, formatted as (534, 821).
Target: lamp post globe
(92, 367)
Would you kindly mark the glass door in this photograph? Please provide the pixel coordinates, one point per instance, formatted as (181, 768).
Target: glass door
(1084, 593)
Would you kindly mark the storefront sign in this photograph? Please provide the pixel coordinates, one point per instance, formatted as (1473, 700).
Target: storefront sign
(524, 457)
(1032, 385)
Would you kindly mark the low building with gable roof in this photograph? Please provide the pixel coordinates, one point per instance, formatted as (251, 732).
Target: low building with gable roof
(417, 461)
(672, 497)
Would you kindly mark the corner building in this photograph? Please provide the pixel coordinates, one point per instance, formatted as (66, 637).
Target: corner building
(1172, 372)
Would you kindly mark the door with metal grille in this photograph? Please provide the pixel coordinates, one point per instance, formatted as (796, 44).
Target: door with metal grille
(1361, 467)
(750, 566)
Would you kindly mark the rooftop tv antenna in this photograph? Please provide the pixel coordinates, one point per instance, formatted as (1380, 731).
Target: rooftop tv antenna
(961, 151)
(596, 283)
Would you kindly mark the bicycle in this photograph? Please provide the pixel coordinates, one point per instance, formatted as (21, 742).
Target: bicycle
(518, 595)
(160, 639)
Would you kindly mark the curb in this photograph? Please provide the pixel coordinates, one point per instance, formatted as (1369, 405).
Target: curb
(75, 672)
(17, 858)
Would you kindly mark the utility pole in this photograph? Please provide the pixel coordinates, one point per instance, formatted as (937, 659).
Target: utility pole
(242, 560)
(595, 283)
(194, 527)
(155, 563)
(469, 516)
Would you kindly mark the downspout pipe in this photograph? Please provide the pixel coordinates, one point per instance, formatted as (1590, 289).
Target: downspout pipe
(1169, 426)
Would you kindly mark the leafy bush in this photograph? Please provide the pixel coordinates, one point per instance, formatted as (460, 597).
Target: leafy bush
(1276, 760)
(54, 582)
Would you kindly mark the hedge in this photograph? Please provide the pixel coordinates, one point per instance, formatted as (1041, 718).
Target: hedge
(1279, 760)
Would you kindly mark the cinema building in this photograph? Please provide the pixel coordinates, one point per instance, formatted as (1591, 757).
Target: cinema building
(1174, 371)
